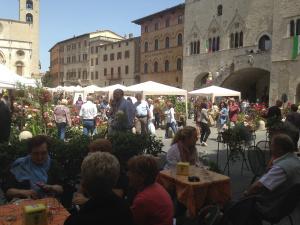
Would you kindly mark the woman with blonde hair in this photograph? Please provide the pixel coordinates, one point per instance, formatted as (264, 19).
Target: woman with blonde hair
(183, 148)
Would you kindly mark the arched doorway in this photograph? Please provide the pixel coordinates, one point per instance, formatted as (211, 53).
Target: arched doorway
(253, 83)
(19, 68)
(264, 43)
(201, 80)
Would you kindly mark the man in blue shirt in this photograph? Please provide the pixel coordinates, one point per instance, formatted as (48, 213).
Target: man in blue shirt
(122, 113)
(141, 115)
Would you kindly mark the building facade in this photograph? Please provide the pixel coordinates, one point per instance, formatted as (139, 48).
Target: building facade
(19, 40)
(72, 60)
(116, 63)
(243, 45)
(161, 49)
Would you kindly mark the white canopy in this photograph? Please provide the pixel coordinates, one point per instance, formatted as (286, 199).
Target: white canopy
(9, 79)
(114, 87)
(215, 91)
(153, 88)
(92, 89)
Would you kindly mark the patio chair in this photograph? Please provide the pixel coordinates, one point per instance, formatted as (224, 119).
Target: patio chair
(209, 215)
(284, 207)
(257, 162)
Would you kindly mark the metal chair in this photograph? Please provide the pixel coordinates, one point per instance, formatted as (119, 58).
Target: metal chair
(264, 146)
(257, 162)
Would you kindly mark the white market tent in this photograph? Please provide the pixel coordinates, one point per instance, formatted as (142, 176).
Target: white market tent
(154, 88)
(92, 89)
(215, 91)
(9, 79)
(112, 88)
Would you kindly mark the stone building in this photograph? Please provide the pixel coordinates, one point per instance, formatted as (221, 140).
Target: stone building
(19, 40)
(162, 46)
(245, 45)
(71, 59)
(116, 63)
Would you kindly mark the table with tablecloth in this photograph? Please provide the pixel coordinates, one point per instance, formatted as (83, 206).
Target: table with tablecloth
(212, 188)
(12, 213)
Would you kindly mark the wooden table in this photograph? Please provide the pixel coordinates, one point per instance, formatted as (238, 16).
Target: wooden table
(11, 214)
(212, 188)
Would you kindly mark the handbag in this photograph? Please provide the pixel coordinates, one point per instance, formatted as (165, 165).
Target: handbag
(211, 122)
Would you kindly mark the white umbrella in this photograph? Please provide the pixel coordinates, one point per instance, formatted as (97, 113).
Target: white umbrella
(92, 89)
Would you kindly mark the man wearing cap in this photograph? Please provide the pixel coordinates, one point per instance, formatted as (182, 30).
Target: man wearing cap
(88, 113)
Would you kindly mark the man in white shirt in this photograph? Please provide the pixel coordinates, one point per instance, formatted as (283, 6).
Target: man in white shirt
(141, 114)
(88, 113)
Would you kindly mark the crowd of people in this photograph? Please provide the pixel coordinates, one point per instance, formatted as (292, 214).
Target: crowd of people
(111, 194)
(141, 116)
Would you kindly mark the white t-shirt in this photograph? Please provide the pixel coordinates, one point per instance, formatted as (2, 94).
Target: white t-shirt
(88, 111)
(170, 115)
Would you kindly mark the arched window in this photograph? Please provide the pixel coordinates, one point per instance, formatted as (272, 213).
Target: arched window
(264, 43)
(167, 43)
(209, 45)
(236, 41)
(145, 68)
(195, 47)
(214, 45)
(29, 18)
(167, 65)
(241, 39)
(218, 44)
(19, 68)
(292, 28)
(146, 46)
(191, 48)
(298, 27)
(29, 4)
(231, 40)
(156, 44)
(155, 67)
(179, 64)
(179, 39)
(220, 10)
(198, 47)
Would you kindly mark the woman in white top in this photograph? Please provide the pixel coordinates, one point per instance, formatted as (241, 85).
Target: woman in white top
(183, 148)
(171, 122)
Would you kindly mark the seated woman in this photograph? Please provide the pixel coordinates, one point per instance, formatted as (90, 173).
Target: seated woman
(103, 145)
(152, 204)
(183, 148)
(35, 175)
(99, 174)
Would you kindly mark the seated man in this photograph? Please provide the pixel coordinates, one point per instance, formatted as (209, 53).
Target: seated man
(285, 168)
(99, 174)
(35, 175)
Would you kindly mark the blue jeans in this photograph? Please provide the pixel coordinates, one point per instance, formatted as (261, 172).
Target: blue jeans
(61, 130)
(88, 127)
(173, 127)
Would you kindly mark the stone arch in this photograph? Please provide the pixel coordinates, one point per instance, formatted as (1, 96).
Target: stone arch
(200, 80)
(265, 43)
(253, 83)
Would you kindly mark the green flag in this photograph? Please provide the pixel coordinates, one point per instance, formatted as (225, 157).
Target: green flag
(296, 47)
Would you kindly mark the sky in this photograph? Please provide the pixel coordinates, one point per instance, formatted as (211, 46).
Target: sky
(62, 19)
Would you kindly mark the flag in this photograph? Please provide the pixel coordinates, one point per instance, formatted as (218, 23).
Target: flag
(296, 47)
(206, 46)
